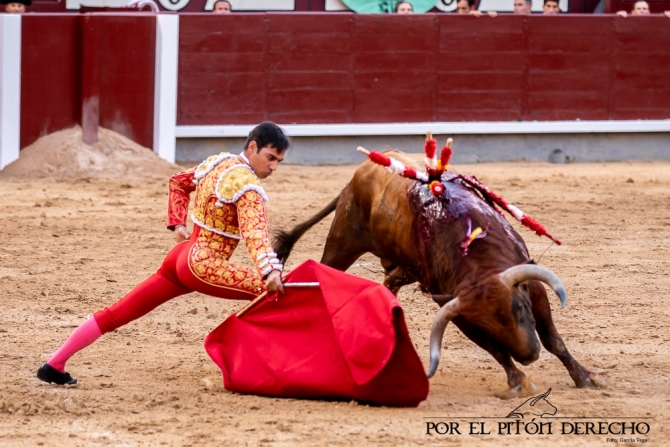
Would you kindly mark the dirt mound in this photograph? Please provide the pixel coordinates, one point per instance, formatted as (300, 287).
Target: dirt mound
(63, 155)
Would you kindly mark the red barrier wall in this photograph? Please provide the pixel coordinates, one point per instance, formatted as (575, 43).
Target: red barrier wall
(481, 70)
(568, 66)
(47, 6)
(393, 68)
(640, 69)
(50, 74)
(346, 68)
(309, 78)
(124, 53)
(68, 59)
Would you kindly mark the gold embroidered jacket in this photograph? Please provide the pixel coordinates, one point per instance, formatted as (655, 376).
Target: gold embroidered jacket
(229, 206)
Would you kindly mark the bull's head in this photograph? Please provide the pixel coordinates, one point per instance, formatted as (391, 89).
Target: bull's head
(506, 315)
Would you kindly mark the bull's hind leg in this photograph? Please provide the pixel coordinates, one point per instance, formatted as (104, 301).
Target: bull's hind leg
(516, 379)
(340, 254)
(553, 342)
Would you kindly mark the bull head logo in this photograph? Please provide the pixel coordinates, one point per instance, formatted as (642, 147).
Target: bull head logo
(537, 406)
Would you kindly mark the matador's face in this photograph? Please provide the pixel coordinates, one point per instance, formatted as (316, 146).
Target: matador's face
(265, 161)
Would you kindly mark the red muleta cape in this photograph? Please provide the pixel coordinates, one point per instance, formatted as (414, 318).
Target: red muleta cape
(345, 339)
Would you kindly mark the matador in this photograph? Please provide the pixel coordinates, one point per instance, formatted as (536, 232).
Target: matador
(229, 207)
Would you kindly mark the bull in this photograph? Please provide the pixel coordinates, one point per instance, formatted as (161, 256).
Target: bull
(494, 294)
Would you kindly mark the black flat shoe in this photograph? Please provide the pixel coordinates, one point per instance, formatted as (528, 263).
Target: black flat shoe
(49, 374)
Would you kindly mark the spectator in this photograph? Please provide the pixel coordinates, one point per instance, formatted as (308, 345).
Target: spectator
(640, 8)
(404, 8)
(468, 7)
(550, 7)
(16, 6)
(523, 6)
(222, 7)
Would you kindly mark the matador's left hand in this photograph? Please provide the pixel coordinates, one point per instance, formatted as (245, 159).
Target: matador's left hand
(273, 282)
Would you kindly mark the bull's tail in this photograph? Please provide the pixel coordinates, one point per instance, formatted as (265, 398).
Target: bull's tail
(285, 240)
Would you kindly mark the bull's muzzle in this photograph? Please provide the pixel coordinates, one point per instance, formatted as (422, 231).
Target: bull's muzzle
(526, 272)
(447, 313)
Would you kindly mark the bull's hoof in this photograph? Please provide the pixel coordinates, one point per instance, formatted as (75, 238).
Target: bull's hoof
(391, 285)
(593, 381)
(524, 389)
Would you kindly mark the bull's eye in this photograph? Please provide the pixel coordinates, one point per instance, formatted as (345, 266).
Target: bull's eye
(518, 310)
(524, 287)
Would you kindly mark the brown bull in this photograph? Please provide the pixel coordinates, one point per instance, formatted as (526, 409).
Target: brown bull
(493, 295)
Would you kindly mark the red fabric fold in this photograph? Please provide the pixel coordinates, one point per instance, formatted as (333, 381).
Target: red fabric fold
(345, 339)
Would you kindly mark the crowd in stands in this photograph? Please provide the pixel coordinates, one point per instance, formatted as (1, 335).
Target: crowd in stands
(640, 7)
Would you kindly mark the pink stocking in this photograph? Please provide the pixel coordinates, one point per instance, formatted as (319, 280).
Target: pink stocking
(83, 336)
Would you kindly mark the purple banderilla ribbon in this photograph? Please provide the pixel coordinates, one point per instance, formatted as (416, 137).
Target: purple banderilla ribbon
(471, 235)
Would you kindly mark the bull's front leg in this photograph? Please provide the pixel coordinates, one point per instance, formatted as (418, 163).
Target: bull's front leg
(395, 277)
(516, 379)
(553, 342)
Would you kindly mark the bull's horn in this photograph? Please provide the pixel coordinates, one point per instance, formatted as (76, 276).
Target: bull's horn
(520, 273)
(443, 317)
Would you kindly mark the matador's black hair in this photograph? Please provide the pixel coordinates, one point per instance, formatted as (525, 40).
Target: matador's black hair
(268, 133)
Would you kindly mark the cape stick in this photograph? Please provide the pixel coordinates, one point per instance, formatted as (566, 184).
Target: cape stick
(264, 294)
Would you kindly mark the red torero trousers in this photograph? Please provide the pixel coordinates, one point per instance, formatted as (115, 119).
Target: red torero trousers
(173, 278)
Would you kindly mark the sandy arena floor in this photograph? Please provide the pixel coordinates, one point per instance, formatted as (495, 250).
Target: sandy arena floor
(73, 247)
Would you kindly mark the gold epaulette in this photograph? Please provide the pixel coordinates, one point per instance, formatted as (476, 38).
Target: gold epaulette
(235, 181)
(208, 164)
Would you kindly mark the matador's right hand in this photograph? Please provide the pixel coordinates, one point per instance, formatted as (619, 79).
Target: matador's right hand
(181, 233)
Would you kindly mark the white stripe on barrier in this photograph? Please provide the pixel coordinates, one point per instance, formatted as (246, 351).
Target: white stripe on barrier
(10, 88)
(443, 128)
(165, 85)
